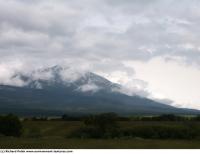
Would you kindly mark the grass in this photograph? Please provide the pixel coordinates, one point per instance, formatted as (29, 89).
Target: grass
(53, 135)
(60, 142)
(52, 128)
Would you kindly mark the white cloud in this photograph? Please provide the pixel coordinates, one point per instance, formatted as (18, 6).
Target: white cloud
(102, 35)
(170, 80)
(89, 88)
(6, 73)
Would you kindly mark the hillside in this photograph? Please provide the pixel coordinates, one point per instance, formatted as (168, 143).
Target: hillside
(87, 93)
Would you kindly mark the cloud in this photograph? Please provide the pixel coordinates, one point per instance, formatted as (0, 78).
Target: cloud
(135, 87)
(131, 30)
(98, 35)
(7, 71)
(66, 29)
(170, 80)
(89, 88)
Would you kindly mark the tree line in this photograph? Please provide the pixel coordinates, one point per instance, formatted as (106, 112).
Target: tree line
(108, 125)
(162, 117)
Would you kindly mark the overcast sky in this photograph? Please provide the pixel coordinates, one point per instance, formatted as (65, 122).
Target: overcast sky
(145, 45)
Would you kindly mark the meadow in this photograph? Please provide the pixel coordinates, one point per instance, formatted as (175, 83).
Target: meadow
(55, 134)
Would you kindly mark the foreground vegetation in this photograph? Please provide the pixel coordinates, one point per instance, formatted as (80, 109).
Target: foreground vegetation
(102, 131)
(65, 143)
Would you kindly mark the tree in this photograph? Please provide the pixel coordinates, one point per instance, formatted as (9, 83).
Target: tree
(102, 125)
(10, 125)
(168, 117)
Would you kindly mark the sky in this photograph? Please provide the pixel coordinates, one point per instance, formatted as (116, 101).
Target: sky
(151, 47)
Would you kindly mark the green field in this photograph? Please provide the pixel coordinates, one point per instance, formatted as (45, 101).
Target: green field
(53, 134)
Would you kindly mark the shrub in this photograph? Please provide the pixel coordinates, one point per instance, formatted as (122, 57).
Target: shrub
(10, 125)
(196, 118)
(99, 126)
(104, 122)
(162, 132)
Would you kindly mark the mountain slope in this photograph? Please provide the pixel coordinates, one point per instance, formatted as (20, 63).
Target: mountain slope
(86, 93)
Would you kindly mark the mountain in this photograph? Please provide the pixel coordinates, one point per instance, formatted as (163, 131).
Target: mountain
(58, 90)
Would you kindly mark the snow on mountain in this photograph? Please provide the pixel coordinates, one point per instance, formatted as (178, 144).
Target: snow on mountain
(58, 76)
(66, 90)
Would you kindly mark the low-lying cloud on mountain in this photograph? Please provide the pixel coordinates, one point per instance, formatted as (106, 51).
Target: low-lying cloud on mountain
(66, 75)
(150, 47)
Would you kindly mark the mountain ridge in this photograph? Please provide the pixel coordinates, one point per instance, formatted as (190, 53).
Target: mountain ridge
(82, 93)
